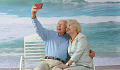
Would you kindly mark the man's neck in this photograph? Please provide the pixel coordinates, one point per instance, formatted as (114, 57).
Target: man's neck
(61, 34)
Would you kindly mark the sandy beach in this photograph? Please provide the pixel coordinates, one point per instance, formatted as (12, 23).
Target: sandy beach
(112, 67)
(9, 68)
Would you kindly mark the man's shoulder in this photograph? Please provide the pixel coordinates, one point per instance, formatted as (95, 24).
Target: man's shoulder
(67, 36)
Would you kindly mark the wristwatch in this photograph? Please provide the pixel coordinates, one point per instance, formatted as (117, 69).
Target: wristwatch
(67, 64)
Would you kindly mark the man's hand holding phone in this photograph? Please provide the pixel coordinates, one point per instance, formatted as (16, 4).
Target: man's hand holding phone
(35, 8)
(39, 6)
(34, 11)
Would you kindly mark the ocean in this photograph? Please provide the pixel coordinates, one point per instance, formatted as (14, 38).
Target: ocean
(99, 21)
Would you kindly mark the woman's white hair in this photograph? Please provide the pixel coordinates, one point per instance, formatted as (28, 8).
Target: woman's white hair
(75, 22)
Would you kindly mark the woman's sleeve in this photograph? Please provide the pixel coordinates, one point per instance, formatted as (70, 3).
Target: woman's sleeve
(81, 46)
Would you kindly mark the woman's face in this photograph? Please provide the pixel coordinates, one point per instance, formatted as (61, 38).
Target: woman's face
(71, 28)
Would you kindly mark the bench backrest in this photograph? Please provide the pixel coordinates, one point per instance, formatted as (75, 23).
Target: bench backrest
(34, 49)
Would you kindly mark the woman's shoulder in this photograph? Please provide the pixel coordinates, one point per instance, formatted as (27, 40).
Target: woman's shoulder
(80, 35)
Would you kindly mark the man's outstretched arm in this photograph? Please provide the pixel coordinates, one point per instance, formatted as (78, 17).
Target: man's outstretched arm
(41, 31)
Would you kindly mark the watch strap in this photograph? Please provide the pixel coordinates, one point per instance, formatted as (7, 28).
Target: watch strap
(67, 64)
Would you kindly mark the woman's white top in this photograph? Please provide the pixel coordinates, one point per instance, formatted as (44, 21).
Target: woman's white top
(79, 51)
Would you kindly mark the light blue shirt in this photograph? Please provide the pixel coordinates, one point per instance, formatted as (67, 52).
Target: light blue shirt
(55, 45)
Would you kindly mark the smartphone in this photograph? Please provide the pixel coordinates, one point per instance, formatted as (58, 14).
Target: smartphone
(39, 6)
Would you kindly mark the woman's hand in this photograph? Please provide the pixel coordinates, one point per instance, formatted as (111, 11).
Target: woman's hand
(61, 66)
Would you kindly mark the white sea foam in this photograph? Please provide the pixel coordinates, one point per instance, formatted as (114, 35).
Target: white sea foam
(118, 49)
(102, 0)
(81, 19)
(15, 49)
(3, 13)
(11, 54)
(103, 61)
(14, 19)
(81, 1)
(13, 27)
(9, 61)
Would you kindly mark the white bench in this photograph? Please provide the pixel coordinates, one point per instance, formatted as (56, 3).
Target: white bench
(34, 49)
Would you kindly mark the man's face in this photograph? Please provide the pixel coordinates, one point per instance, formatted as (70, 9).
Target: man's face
(61, 26)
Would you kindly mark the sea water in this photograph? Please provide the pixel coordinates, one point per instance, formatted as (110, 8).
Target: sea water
(99, 21)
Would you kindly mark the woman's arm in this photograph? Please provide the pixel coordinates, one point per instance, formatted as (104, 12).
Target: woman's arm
(65, 65)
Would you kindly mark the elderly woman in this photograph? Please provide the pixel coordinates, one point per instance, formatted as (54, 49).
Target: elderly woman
(78, 49)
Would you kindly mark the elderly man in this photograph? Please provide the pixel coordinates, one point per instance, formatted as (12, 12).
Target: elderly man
(56, 43)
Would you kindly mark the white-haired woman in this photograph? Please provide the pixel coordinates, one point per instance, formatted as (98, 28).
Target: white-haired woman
(78, 49)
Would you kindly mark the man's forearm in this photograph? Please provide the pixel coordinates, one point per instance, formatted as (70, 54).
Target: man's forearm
(33, 16)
